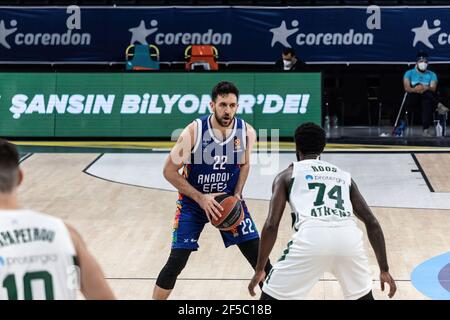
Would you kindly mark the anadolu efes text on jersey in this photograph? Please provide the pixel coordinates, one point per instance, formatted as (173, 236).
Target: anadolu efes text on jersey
(215, 163)
(320, 192)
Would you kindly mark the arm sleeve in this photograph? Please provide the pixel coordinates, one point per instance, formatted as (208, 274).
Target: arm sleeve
(434, 77)
(407, 75)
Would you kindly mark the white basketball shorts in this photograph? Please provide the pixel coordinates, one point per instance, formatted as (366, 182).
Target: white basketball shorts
(315, 250)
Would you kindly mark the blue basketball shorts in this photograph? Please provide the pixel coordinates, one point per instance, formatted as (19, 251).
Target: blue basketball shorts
(190, 220)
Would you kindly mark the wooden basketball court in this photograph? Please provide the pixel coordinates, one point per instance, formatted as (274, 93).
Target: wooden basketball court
(128, 229)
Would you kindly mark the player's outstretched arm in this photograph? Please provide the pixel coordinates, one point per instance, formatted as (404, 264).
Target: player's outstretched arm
(93, 283)
(280, 189)
(375, 234)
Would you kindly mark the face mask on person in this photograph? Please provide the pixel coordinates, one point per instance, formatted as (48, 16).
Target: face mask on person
(287, 64)
(422, 66)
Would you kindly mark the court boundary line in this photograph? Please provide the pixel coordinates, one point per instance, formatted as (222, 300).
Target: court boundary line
(229, 279)
(117, 182)
(92, 163)
(422, 172)
(153, 147)
(25, 157)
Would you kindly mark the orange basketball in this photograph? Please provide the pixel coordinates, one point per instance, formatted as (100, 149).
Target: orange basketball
(232, 213)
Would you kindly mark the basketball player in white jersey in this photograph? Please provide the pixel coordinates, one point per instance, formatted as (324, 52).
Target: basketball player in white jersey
(325, 201)
(41, 258)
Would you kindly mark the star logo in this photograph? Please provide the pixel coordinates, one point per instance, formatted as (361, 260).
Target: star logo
(6, 32)
(140, 33)
(281, 33)
(423, 33)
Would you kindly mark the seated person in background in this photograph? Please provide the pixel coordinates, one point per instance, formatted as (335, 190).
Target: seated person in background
(289, 61)
(420, 85)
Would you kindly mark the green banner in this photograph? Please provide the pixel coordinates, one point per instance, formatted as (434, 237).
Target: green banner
(148, 104)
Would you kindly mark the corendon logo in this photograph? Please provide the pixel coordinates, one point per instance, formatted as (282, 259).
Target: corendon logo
(287, 29)
(141, 33)
(10, 34)
(424, 33)
(4, 33)
(282, 33)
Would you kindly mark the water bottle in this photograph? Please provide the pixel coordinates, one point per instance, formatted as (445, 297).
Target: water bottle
(327, 126)
(438, 129)
(400, 130)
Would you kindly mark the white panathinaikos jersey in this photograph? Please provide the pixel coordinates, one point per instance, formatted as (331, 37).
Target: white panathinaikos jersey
(37, 257)
(320, 195)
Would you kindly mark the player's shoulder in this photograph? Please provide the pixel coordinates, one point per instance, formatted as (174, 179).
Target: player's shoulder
(74, 234)
(329, 164)
(192, 127)
(286, 174)
(203, 118)
(342, 172)
(43, 217)
(37, 214)
(197, 123)
(244, 123)
(284, 178)
(249, 128)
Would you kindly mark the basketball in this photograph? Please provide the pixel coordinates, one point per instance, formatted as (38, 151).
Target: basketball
(232, 213)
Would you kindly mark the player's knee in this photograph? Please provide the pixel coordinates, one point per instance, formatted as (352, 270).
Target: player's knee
(250, 250)
(173, 267)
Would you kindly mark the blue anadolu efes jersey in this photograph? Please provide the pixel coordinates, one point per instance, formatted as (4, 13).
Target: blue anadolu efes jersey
(215, 164)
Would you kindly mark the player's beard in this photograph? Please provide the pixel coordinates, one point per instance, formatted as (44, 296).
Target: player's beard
(224, 121)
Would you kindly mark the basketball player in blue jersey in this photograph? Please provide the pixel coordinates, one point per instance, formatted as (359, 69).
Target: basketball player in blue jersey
(214, 152)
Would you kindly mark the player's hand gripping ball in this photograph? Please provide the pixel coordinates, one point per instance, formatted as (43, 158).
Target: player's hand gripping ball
(232, 214)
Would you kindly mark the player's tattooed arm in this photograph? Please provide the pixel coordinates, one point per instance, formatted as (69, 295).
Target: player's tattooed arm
(245, 165)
